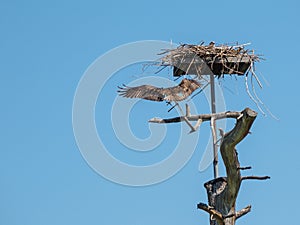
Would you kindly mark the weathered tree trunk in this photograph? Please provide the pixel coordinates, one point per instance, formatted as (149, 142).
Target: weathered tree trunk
(222, 192)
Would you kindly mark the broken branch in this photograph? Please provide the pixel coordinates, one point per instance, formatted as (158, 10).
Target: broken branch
(212, 211)
(203, 117)
(240, 213)
(243, 212)
(245, 168)
(256, 178)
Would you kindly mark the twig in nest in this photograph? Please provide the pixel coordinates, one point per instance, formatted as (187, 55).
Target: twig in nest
(254, 91)
(251, 97)
(259, 100)
(254, 74)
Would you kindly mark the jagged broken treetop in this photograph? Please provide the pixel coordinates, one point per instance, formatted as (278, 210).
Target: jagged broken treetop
(209, 59)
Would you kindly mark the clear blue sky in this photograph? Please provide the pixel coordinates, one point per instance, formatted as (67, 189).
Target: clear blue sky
(45, 48)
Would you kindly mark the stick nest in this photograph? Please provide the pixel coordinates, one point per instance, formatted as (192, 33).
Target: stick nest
(209, 59)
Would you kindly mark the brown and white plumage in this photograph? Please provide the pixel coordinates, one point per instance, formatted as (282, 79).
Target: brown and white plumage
(176, 93)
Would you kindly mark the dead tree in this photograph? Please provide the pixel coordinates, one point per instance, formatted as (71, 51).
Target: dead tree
(223, 191)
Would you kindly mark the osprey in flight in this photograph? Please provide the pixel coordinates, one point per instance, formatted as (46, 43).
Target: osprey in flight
(176, 93)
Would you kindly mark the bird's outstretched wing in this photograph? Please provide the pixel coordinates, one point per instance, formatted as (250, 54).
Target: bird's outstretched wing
(144, 91)
(176, 93)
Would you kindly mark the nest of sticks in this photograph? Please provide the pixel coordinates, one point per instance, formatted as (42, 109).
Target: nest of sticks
(209, 59)
(218, 60)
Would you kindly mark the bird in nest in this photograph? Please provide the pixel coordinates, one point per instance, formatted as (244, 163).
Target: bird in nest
(170, 94)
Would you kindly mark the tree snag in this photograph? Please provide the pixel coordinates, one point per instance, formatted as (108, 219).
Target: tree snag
(223, 191)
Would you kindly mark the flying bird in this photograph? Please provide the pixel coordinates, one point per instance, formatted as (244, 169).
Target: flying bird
(149, 92)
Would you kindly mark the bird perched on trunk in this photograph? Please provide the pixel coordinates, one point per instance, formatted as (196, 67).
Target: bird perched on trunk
(176, 93)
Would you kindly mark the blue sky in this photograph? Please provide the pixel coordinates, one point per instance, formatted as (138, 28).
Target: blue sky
(45, 48)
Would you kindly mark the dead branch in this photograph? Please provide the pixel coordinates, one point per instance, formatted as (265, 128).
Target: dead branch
(213, 212)
(199, 122)
(243, 212)
(245, 168)
(185, 118)
(215, 148)
(256, 178)
(203, 117)
(212, 126)
(239, 213)
(187, 110)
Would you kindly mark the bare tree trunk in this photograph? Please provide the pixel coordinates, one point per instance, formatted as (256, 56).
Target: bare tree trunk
(222, 192)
